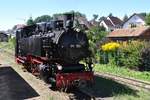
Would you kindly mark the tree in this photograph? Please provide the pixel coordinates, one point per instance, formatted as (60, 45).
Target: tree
(30, 21)
(110, 15)
(95, 35)
(148, 19)
(125, 18)
(77, 17)
(76, 14)
(43, 18)
(102, 18)
(95, 16)
(143, 14)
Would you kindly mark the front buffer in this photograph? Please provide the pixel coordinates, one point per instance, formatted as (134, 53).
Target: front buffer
(65, 80)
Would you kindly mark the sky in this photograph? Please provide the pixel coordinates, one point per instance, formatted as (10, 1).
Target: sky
(18, 11)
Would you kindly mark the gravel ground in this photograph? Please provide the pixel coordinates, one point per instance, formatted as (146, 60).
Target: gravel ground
(15, 84)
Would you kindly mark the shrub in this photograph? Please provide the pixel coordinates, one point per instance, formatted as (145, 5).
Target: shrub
(109, 52)
(145, 58)
(129, 54)
(11, 42)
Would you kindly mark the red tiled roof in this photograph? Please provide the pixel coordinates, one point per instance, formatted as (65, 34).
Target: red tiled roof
(130, 32)
(18, 26)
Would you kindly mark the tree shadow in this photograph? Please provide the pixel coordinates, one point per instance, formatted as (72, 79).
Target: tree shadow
(108, 88)
(13, 86)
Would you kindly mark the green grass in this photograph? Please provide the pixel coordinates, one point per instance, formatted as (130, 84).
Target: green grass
(7, 46)
(119, 91)
(123, 72)
(106, 88)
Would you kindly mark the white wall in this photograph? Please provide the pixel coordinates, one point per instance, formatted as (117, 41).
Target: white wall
(135, 20)
(102, 23)
(108, 29)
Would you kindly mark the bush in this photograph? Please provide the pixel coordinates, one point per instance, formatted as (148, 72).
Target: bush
(145, 58)
(129, 54)
(11, 43)
(109, 53)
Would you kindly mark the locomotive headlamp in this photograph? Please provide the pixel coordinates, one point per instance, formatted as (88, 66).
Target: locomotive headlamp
(92, 65)
(69, 23)
(78, 30)
(59, 67)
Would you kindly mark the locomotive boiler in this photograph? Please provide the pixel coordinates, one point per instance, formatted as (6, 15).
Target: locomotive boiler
(53, 50)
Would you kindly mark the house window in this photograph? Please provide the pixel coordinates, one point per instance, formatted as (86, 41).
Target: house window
(111, 30)
(132, 25)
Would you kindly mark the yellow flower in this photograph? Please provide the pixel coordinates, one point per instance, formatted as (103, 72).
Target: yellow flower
(110, 46)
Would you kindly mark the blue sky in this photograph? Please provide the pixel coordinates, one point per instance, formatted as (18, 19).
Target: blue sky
(17, 11)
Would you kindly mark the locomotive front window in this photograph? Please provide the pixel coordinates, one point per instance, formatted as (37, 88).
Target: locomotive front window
(72, 46)
(78, 46)
(75, 46)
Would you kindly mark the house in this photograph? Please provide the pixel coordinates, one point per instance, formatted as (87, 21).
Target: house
(94, 22)
(3, 37)
(18, 26)
(13, 31)
(10, 33)
(83, 21)
(135, 20)
(111, 23)
(142, 33)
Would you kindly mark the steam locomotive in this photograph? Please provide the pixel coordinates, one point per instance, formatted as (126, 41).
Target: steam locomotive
(53, 50)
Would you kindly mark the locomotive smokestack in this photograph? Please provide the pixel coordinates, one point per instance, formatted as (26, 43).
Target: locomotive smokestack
(68, 20)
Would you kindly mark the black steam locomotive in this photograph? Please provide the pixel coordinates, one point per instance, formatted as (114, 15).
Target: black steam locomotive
(53, 51)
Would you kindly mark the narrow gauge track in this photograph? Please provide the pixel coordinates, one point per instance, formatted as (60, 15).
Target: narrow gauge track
(130, 81)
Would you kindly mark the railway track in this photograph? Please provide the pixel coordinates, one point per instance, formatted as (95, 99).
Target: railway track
(126, 80)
